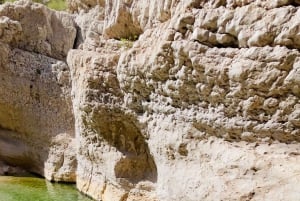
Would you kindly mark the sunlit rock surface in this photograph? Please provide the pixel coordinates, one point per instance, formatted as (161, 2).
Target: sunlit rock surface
(36, 119)
(155, 100)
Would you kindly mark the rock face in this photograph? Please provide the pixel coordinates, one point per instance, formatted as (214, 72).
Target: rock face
(36, 119)
(168, 100)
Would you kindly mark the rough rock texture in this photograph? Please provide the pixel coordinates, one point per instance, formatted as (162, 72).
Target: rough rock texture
(36, 119)
(199, 70)
(34, 28)
(172, 100)
(108, 134)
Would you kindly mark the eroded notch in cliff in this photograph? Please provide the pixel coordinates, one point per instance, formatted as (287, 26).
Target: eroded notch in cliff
(119, 130)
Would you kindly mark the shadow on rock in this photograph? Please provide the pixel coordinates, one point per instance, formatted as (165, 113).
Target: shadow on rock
(120, 130)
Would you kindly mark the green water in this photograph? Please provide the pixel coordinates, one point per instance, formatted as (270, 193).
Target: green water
(36, 189)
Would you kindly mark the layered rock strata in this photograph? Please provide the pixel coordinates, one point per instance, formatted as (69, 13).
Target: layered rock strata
(163, 100)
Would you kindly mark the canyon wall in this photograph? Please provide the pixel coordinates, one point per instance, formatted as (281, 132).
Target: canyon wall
(36, 119)
(154, 100)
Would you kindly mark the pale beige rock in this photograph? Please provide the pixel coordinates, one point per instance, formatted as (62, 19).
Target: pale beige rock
(107, 134)
(35, 95)
(75, 6)
(206, 69)
(61, 164)
(172, 100)
(35, 102)
(35, 28)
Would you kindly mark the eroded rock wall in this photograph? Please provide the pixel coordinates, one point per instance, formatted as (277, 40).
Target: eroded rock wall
(170, 100)
(211, 86)
(36, 119)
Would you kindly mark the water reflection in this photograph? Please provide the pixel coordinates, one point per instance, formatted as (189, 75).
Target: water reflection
(36, 189)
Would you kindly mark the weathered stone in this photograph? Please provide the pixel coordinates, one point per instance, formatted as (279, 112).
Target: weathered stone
(106, 133)
(185, 81)
(34, 27)
(172, 100)
(34, 97)
(35, 103)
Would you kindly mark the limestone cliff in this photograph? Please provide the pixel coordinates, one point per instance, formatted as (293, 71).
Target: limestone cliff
(154, 100)
(36, 119)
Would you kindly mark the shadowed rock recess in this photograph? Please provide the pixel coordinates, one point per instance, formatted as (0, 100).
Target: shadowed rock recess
(163, 100)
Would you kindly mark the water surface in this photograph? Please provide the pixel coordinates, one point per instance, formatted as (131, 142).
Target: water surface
(37, 189)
